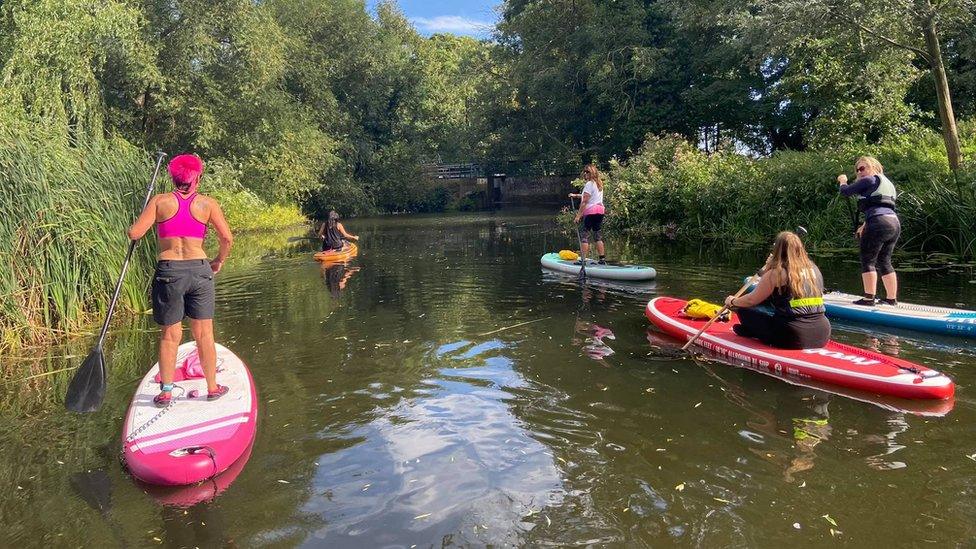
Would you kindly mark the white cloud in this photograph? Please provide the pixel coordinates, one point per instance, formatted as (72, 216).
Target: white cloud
(451, 23)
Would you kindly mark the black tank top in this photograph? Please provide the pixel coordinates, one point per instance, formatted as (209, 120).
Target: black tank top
(789, 307)
(333, 240)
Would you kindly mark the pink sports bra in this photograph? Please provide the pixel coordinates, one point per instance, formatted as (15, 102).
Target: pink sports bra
(182, 224)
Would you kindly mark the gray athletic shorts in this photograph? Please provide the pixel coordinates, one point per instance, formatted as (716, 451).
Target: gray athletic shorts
(182, 288)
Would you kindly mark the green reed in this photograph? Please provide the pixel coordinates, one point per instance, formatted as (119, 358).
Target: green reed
(63, 214)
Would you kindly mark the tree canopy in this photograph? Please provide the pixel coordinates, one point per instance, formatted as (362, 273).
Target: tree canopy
(322, 102)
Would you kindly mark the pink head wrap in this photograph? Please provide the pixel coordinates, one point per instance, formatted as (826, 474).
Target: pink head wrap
(185, 169)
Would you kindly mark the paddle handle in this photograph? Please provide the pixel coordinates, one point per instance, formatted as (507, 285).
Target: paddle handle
(128, 255)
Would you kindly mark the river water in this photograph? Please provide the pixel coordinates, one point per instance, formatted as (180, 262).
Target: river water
(399, 407)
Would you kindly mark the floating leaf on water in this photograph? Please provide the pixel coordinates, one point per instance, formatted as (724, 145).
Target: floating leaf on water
(835, 532)
(283, 481)
(548, 522)
(829, 519)
(418, 517)
(720, 500)
(803, 484)
(796, 525)
(697, 405)
(680, 487)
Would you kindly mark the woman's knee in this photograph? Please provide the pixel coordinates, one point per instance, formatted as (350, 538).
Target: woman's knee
(201, 329)
(172, 333)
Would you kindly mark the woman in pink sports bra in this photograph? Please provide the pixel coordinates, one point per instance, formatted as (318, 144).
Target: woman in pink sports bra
(183, 284)
(591, 211)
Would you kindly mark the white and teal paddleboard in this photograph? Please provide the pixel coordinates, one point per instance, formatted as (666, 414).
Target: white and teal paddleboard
(611, 272)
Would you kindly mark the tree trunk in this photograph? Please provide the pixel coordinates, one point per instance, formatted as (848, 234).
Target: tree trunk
(946, 114)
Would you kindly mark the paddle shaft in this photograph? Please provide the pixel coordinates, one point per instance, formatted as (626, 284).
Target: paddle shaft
(742, 290)
(128, 255)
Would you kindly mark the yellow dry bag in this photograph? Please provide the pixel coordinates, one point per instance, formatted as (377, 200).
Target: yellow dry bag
(697, 308)
(568, 255)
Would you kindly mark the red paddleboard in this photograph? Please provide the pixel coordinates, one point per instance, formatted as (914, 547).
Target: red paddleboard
(193, 439)
(834, 364)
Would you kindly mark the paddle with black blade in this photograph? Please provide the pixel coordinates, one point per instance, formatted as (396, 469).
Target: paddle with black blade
(582, 273)
(87, 388)
(800, 231)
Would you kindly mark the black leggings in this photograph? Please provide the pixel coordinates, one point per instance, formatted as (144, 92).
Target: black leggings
(878, 241)
(810, 332)
(592, 222)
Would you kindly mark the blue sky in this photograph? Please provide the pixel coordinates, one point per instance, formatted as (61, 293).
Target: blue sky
(468, 17)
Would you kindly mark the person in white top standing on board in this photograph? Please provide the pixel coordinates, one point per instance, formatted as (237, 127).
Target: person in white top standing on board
(591, 212)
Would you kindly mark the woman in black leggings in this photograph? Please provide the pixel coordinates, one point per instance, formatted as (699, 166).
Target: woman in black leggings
(880, 231)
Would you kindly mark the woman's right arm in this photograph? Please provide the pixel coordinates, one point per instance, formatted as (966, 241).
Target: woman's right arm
(861, 186)
(145, 220)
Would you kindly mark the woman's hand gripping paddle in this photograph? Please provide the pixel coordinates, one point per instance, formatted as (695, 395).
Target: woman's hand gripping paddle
(87, 388)
(800, 231)
(582, 273)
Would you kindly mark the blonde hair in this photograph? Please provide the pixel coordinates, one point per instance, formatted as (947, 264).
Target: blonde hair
(872, 163)
(590, 173)
(790, 260)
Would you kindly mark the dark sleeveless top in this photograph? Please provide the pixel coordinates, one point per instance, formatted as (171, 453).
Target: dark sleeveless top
(786, 306)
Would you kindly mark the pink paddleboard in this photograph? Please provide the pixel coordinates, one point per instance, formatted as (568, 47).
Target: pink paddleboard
(193, 439)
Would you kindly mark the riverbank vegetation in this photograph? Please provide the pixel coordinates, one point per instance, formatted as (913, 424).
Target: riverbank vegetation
(672, 188)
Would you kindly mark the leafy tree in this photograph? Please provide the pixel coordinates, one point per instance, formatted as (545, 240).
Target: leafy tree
(61, 58)
(911, 27)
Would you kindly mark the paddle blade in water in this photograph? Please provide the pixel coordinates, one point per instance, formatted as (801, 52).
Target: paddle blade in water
(87, 389)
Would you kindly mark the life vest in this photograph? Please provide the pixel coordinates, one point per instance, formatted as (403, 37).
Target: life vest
(884, 196)
(787, 305)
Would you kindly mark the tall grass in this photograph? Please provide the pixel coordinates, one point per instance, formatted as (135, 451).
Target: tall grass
(63, 215)
(671, 187)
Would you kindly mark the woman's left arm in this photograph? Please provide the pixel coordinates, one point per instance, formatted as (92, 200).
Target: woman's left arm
(342, 231)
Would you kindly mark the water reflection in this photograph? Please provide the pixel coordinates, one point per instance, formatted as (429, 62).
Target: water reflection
(443, 389)
(450, 458)
(336, 277)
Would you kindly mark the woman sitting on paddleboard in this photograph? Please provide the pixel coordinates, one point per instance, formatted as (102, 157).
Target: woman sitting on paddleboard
(880, 231)
(591, 211)
(333, 234)
(183, 284)
(793, 286)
